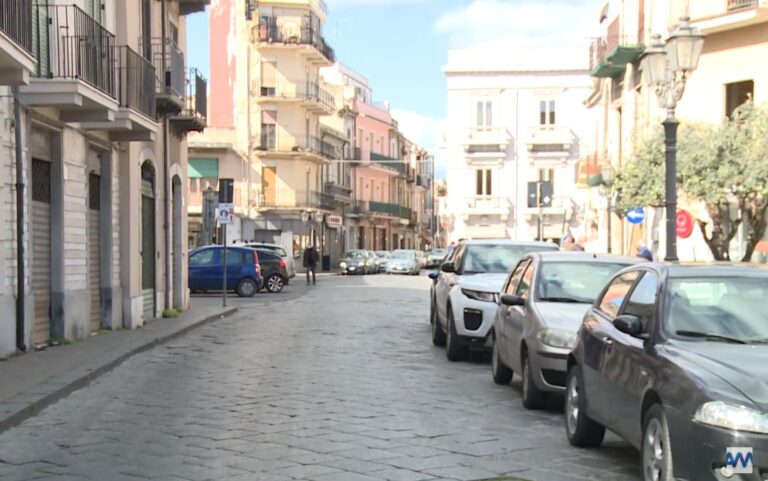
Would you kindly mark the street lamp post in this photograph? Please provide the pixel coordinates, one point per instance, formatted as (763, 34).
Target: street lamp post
(666, 67)
(607, 175)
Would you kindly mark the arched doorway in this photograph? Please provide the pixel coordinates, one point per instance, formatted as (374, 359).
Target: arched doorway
(177, 242)
(148, 240)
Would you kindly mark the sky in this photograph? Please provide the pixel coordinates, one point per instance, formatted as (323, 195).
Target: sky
(401, 45)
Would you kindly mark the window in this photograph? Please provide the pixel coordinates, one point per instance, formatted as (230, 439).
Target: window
(616, 293)
(525, 282)
(269, 129)
(642, 302)
(484, 180)
(484, 114)
(236, 257)
(736, 94)
(268, 77)
(547, 113)
(514, 279)
(203, 258)
(359, 139)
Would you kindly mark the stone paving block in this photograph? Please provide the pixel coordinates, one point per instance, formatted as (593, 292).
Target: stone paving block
(395, 474)
(346, 477)
(461, 472)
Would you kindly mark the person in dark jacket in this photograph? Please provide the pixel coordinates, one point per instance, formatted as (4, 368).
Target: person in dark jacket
(311, 258)
(643, 251)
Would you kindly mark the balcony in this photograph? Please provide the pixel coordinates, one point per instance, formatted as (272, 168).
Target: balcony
(422, 181)
(170, 78)
(609, 56)
(193, 117)
(75, 70)
(713, 16)
(385, 209)
(486, 140)
(550, 139)
(296, 199)
(388, 162)
(305, 147)
(16, 60)
(311, 95)
(341, 193)
(135, 117)
(187, 7)
(295, 30)
(488, 205)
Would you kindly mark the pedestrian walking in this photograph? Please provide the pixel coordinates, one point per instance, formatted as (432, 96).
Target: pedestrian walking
(311, 258)
(644, 251)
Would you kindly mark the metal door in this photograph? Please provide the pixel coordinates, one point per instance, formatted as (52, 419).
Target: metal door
(148, 243)
(41, 250)
(94, 249)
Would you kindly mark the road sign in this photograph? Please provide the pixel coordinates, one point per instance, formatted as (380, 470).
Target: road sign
(636, 216)
(684, 224)
(225, 212)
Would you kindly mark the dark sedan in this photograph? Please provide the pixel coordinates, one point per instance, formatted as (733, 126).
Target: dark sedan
(274, 270)
(673, 358)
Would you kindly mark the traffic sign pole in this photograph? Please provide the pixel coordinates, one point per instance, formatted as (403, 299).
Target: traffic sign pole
(224, 290)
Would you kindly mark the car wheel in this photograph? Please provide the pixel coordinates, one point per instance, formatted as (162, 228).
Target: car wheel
(533, 398)
(656, 449)
(582, 431)
(501, 373)
(246, 288)
(438, 335)
(275, 283)
(456, 349)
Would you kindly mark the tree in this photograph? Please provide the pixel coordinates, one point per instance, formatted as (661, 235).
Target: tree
(730, 169)
(640, 182)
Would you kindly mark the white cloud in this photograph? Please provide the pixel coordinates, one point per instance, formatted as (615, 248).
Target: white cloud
(417, 127)
(521, 22)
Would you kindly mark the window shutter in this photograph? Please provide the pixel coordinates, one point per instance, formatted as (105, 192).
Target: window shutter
(268, 74)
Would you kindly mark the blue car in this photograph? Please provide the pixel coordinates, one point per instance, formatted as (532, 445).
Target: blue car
(206, 270)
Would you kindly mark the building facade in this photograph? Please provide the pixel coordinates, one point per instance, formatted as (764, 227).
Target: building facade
(514, 133)
(99, 145)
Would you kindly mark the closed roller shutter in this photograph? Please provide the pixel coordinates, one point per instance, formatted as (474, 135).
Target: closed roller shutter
(41, 250)
(94, 249)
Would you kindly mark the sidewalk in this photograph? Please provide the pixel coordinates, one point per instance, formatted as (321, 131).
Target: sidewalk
(32, 381)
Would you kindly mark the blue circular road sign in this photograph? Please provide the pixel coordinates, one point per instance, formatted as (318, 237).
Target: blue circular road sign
(636, 216)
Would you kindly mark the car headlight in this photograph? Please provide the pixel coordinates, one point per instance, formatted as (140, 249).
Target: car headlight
(479, 295)
(557, 338)
(343, 265)
(730, 416)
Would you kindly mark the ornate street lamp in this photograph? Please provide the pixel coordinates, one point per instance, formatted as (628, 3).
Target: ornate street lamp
(607, 174)
(666, 68)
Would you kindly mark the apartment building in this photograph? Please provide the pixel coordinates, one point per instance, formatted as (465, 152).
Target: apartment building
(515, 130)
(727, 74)
(105, 101)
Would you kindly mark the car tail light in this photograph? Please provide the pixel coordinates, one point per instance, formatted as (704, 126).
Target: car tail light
(282, 264)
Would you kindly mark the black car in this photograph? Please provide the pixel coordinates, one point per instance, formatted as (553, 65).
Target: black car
(273, 270)
(674, 359)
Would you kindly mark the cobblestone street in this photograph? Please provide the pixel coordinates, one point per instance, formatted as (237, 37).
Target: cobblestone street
(339, 382)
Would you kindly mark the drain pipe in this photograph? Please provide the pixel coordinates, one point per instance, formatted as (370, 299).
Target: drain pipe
(166, 166)
(20, 313)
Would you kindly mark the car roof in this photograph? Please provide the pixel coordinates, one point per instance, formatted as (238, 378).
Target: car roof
(229, 247)
(571, 256)
(509, 242)
(712, 269)
(261, 244)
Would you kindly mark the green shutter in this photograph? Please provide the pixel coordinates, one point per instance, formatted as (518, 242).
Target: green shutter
(40, 41)
(203, 168)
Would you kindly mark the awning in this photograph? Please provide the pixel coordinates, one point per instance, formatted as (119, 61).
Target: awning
(596, 180)
(203, 168)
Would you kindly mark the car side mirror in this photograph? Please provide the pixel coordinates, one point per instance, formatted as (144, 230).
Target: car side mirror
(433, 275)
(629, 324)
(512, 300)
(448, 267)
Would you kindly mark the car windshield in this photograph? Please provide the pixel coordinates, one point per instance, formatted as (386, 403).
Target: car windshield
(574, 281)
(407, 255)
(354, 255)
(724, 307)
(493, 258)
(437, 252)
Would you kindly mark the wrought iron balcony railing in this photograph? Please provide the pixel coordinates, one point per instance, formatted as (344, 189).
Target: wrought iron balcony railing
(285, 30)
(16, 21)
(196, 100)
(135, 82)
(171, 80)
(71, 45)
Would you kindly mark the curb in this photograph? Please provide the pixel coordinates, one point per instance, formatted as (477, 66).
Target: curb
(85, 376)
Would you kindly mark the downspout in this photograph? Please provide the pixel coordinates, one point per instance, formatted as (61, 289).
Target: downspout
(166, 163)
(20, 312)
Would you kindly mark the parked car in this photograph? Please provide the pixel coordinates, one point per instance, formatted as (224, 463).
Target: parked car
(355, 262)
(206, 270)
(404, 261)
(273, 270)
(290, 265)
(543, 302)
(463, 302)
(673, 359)
(434, 257)
(383, 260)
